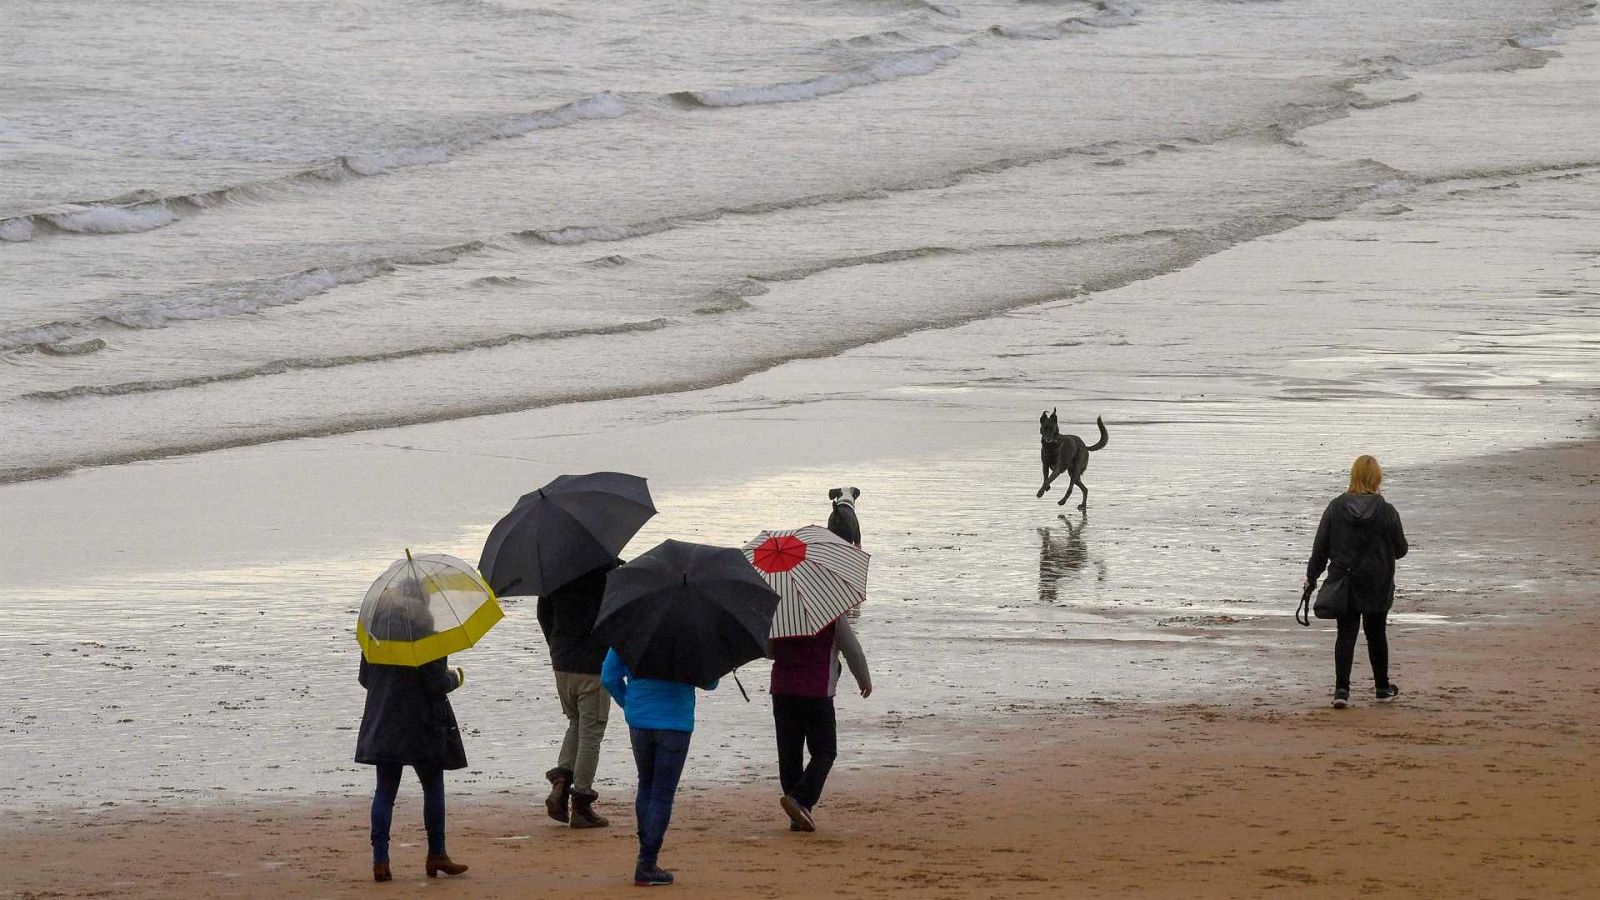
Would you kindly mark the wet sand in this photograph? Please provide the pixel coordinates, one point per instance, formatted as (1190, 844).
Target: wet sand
(1479, 781)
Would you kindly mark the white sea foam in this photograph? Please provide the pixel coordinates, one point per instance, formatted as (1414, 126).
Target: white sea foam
(113, 219)
(600, 106)
(1114, 13)
(16, 230)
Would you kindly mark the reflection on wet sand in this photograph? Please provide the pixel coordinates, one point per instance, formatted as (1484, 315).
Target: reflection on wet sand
(1063, 551)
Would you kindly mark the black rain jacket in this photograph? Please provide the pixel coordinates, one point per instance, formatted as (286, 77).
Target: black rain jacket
(408, 719)
(1360, 536)
(566, 616)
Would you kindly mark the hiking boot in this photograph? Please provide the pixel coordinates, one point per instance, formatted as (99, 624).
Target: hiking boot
(560, 794)
(799, 816)
(1341, 698)
(583, 814)
(1388, 692)
(442, 863)
(650, 875)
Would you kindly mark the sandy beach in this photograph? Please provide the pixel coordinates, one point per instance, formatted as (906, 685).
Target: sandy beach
(1478, 782)
(1257, 239)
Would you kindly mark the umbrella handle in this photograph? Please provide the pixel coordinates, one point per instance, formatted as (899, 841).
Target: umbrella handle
(741, 687)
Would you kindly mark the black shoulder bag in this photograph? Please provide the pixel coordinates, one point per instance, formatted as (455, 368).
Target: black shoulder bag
(1333, 598)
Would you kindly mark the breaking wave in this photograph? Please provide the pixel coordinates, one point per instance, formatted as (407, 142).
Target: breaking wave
(907, 65)
(81, 348)
(280, 366)
(232, 299)
(146, 210)
(496, 281)
(1111, 14)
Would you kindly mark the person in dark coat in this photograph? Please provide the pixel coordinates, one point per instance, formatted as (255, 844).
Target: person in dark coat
(566, 615)
(408, 722)
(1359, 538)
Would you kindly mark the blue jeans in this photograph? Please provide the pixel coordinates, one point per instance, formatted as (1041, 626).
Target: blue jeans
(432, 778)
(659, 754)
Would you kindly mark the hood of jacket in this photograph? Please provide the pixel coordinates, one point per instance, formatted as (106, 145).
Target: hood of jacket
(1360, 509)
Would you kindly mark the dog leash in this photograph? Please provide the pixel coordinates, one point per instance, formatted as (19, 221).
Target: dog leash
(1302, 613)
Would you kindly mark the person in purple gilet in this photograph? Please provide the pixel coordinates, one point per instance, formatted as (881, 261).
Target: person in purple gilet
(805, 672)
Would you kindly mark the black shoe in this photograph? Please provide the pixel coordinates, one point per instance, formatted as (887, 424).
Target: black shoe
(650, 875)
(1341, 698)
(1385, 694)
(799, 816)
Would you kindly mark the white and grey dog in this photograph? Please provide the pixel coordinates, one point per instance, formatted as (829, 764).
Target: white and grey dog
(842, 521)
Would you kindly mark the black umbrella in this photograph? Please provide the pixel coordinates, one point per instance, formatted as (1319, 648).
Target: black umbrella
(686, 612)
(569, 527)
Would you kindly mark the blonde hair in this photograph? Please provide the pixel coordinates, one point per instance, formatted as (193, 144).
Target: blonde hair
(1365, 475)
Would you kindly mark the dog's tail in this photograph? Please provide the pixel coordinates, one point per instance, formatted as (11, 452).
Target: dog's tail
(1104, 437)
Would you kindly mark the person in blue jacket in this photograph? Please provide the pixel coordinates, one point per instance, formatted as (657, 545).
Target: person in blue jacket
(660, 717)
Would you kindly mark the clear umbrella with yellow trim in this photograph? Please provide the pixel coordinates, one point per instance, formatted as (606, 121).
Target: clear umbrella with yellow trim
(424, 608)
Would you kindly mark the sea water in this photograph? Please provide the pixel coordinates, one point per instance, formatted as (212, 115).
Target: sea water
(231, 223)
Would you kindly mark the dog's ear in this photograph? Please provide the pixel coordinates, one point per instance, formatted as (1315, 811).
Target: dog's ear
(855, 493)
(835, 493)
(1044, 417)
(1052, 413)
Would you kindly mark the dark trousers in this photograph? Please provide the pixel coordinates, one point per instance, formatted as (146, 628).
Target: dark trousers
(432, 778)
(659, 755)
(805, 722)
(1344, 647)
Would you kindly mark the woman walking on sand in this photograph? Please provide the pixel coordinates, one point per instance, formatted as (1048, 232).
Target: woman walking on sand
(408, 722)
(805, 676)
(1359, 538)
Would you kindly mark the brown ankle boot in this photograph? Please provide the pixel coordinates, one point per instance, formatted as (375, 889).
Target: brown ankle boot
(442, 863)
(583, 814)
(380, 872)
(560, 793)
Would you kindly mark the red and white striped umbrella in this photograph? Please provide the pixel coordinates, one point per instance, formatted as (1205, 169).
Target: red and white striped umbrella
(818, 575)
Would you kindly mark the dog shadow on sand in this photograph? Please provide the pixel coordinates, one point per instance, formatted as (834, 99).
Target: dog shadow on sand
(1063, 552)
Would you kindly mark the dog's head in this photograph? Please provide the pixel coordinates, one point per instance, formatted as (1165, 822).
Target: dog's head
(844, 496)
(1049, 427)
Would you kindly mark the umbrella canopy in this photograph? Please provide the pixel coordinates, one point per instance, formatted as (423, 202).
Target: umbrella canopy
(686, 612)
(818, 575)
(567, 528)
(424, 608)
